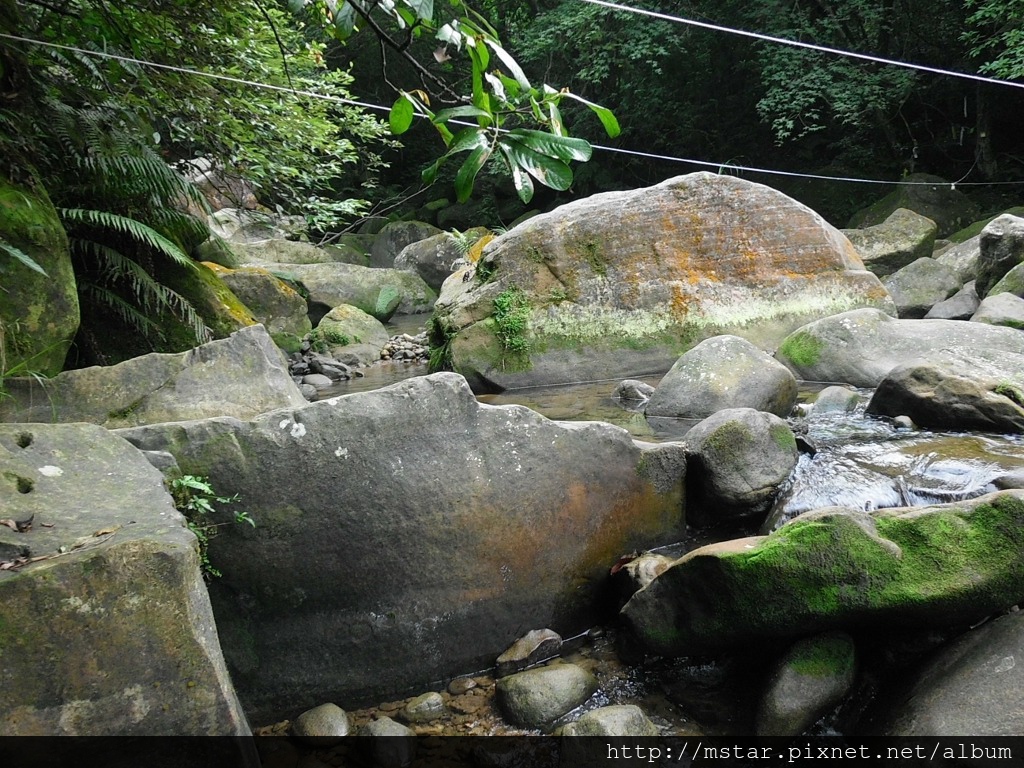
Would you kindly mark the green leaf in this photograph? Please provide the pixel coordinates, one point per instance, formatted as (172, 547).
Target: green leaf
(467, 138)
(564, 148)
(521, 179)
(345, 20)
(466, 175)
(511, 63)
(605, 115)
(424, 8)
(466, 111)
(549, 171)
(401, 115)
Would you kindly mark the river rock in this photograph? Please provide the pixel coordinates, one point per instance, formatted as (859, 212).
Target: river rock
(378, 292)
(810, 679)
(413, 524)
(1001, 309)
(835, 399)
(1002, 248)
(424, 708)
(40, 318)
(240, 376)
(927, 195)
(395, 236)
(724, 372)
(960, 306)
(348, 331)
(901, 239)
(537, 697)
(634, 279)
(957, 392)
(322, 726)
(920, 285)
(908, 568)
(962, 258)
(267, 254)
(860, 347)
(739, 458)
(110, 633)
(969, 688)
(535, 646)
(633, 391)
(615, 720)
(392, 745)
(435, 258)
(277, 306)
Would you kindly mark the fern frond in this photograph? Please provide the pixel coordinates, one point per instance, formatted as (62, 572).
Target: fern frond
(19, 255)
(138, 231)
(129, 315)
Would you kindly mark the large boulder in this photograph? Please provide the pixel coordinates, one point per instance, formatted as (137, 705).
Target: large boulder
(240, 376)
(968, 688)
(962, 258)
(107, 627)
(634, 279)
(861, 347)
(435, 258)
(395, 236)
(901, 239)
(977, 391)
(1000, 309)
(411, 533)
(838, 568)
(274, 303)
(378, 292)
(280, 251)
(1002, 248)
(348, 332)
(927, 195)
(960, 306)
(739, 458)
(920, 285)
(724, 372)
(39, 319)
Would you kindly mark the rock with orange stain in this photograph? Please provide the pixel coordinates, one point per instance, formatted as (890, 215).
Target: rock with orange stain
(631, 280)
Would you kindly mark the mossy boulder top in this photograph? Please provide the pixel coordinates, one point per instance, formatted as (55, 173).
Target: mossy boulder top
(636, 278)
(862, 346)
(838, 568)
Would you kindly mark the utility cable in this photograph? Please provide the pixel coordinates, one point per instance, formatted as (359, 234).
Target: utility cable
(382, 108)
(799, 44)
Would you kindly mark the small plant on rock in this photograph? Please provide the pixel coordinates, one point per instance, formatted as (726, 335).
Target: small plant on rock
(195, 498)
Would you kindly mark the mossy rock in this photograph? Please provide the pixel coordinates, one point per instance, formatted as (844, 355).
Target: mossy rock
(38, 321)
(965, 234)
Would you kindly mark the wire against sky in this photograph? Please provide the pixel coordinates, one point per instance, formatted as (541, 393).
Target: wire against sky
(380, 108)
(799, 44)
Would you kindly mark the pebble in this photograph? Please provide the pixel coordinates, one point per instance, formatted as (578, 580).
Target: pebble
(323, 725)
(407, 348)
(424, 708)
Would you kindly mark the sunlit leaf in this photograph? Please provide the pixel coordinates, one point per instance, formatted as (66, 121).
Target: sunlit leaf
(345, 20)
(522, 181)
(401, 115)
(496, 85)
(510, 63)
(548, 171)
(465, 111)
(605, 115)
(564, 148)
(424, 8)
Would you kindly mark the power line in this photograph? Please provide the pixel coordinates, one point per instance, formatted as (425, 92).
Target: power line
(382, 108)
(799, 44)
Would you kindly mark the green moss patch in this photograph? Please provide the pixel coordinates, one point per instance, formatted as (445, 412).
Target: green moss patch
(802, 349)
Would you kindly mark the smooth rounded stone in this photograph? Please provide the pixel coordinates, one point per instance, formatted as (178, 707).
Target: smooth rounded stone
(644, 569)
(424, 708)
(1001, 309)
(835, 399)
(616, 720)
(1002, 248)
(724, 372)
(538, 697)
(811, 678)
(742, 456)
(970, 687)
(533, 647)
(392, 745)
(309, 391)
(960, 306)
(317, 380)
(460, 685)
(1010, 480)
(962, 258)
(322, 726)
(633, 390)
(904, 422)
(920, 285)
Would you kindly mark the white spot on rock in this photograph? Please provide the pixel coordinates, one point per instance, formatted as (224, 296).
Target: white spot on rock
(341, 453)
(51, 471)
(1005, 664)
(298, 430)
